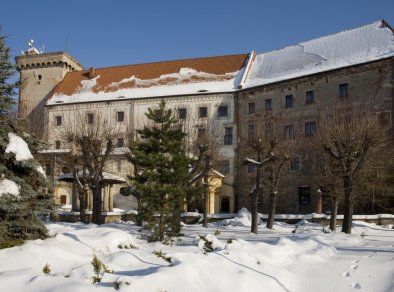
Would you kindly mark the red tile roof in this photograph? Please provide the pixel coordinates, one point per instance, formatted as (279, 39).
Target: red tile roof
(219, 66)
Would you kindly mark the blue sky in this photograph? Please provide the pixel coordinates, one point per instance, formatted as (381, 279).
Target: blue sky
(108, 33)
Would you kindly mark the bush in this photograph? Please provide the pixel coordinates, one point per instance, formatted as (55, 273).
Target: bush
(99, 269)
(7, 243)
(161, 255)
(46, 269)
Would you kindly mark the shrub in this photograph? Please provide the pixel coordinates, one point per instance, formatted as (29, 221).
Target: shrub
(161, 255)
(46, 269)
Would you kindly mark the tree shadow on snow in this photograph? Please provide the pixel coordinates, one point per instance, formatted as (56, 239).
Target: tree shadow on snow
(141, 272)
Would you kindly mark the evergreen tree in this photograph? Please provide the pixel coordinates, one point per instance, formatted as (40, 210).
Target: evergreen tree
(22, 180)
(7, 70)
(162, 182)
(23, 186)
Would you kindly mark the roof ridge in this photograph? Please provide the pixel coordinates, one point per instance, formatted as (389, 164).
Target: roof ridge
(168, 61)
(380, 21)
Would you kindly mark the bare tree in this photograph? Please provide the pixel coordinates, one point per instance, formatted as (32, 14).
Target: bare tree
(264, 156)
(203, 142)
(350, 133)
(274, 176)
(89, 138)
(326, 176)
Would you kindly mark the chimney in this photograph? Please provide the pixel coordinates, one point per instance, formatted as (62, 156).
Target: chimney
(92, 72)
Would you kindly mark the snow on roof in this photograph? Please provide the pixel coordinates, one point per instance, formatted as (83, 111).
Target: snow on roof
(8, 187)
(19, 147)
(364, 44)
(180, 77)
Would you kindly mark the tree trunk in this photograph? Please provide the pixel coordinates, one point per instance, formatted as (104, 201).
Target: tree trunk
(334, 211)
(253, 208)
(97, 203)
(255, 197)
(139, 219)
(160, 233)
(82, 205)
(271, 211)
(75, 203)
(349, 204)
(176, 216)
(206, 201)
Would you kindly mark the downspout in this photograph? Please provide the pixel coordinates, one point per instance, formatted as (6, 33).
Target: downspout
(236, 154)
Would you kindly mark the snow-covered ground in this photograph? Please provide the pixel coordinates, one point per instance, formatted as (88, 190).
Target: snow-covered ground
(279, 260)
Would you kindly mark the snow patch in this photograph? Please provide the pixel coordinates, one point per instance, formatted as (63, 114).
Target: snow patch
(186, 81)
(184, 75)
(243, 218)
(87, 85)
(41, 171)
(19, 147)
(8, 187)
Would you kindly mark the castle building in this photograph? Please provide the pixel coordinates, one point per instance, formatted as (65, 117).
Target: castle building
(230, 97)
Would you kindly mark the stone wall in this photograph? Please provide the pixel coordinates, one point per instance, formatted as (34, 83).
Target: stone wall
(193, 218)
(372, 80)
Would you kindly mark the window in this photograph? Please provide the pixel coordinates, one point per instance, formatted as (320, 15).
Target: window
(251, 108)
(295, 163)
(39, 77)
(269, 130)
(310, 97)
(251, 168)
(90, 118)
(304, 195)
(57, 144)
(225, 167)
(120, 142)
(289, 131)
(310, 128)
(289, 101)
(224, 204)
(251, 132)
(343, 90)
(268, 104)
(48, 170)
(228, 136)
(119, 165)
(202, 112)
(58, 120)
(384, 119)
(223, 111)
(182, 113)
(119, 116)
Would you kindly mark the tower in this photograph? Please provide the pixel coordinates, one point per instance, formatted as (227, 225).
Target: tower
(39, 73)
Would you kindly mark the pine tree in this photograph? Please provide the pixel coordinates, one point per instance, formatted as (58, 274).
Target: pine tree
(162, 180)
(22, 181)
